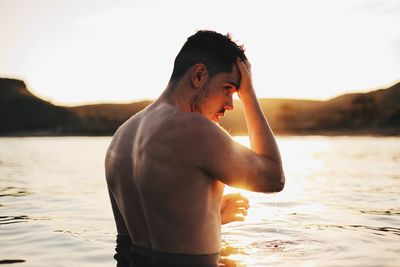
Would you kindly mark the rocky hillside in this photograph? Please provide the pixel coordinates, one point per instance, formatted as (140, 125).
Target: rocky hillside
(376, 112)
(22, 112)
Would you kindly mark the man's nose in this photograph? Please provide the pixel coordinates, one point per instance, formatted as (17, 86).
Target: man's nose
(229, 104)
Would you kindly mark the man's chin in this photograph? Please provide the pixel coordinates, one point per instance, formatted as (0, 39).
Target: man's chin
(215, 119)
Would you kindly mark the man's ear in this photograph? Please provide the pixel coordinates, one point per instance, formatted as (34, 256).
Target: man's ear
(198, 75)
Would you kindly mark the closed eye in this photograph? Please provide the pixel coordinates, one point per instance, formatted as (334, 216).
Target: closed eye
(227, 89)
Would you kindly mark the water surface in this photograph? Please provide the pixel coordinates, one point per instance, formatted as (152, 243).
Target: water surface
(340, 206)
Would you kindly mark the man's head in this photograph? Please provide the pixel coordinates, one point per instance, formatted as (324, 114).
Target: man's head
(216, 51)
(208, 61)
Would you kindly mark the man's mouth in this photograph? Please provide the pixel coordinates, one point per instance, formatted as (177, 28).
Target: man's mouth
(219, 114)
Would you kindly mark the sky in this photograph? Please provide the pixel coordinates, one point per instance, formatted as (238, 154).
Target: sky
(72, 52)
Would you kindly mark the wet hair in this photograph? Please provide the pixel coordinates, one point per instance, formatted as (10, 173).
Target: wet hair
(216, 51)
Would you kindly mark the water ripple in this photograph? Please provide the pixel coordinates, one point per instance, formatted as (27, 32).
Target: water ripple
(13, 219)
(21, 218)
(379, 230)
(296, 248)
(381, 212)
(11, 261)
(12, 191)
(375, 230)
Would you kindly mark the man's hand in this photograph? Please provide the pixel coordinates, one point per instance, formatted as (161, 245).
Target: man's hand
(246, 84)
(234, 208)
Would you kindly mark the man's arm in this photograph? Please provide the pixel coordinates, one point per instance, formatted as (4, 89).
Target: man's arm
(262, 140)
(218, 155)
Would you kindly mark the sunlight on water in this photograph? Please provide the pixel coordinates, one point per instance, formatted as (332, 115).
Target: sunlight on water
(330, 182)
(340, 203)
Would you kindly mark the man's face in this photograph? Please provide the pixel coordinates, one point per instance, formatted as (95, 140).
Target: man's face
(213, 100)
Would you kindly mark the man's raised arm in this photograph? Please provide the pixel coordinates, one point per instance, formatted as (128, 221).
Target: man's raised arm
(262, 140)
(217, 154)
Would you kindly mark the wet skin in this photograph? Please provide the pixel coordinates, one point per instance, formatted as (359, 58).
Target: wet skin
(167, 165)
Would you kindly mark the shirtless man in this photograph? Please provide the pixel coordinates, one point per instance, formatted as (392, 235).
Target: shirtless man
(167, 165)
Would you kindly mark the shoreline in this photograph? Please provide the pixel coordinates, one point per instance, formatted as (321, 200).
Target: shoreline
(332, 133)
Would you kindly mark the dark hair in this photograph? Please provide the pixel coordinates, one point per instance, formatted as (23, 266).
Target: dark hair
(216, 51)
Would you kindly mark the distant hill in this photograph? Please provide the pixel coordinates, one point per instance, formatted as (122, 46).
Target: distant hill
(21, 111)
(376, 112)
(105, 118)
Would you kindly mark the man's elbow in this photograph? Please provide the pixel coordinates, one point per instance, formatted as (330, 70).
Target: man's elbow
(279, 182)
(275, 181)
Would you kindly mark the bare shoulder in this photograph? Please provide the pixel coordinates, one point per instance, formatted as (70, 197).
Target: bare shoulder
(168, 120)
(197, 129)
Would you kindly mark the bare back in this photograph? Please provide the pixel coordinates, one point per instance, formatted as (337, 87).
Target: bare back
(159, 193)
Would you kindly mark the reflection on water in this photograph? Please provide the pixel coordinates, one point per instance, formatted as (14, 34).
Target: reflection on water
(340, 206)
(341, 202)
(11, 261)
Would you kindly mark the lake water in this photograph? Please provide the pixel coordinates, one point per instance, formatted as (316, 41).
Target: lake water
(340, 206)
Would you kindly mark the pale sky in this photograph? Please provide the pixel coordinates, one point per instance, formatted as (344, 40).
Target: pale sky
(71, 52)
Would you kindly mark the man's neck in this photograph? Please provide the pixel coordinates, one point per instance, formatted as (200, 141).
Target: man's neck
(178, 95)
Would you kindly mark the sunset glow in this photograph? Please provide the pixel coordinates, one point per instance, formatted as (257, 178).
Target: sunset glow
(72, 52)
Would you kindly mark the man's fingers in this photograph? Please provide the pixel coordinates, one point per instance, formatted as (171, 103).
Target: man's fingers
(247, 65)
(237, 197)
(237, 201)
(243, 198)
(243, 205)
(239, 218)
(244, 202)
(242, 66)
(242, 212)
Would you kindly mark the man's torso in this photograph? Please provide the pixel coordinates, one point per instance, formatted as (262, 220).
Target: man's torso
(166, 200)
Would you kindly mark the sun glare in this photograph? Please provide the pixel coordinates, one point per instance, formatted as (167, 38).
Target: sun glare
(117, 52)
